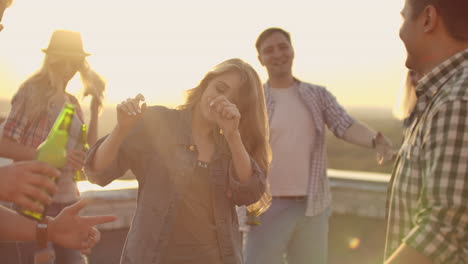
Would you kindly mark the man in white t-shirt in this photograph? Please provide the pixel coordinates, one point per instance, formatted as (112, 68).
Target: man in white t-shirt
(296, 225)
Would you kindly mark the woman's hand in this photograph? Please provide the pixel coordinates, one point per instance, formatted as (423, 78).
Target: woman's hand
(227, 115)
(75, 159)
(129, 112)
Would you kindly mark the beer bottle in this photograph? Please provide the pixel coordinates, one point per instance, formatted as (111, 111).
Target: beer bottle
(83, 146)
(54, 149)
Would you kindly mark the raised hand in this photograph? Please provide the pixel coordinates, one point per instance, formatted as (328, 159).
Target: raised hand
(227, 115)
(129, 112)
(71, 230)
(25, 182)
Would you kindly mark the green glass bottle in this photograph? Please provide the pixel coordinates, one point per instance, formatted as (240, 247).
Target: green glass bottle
(54, 149)
(83, 146)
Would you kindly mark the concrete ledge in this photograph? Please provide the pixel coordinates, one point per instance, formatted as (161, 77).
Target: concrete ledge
(354, 193)
(359, 193)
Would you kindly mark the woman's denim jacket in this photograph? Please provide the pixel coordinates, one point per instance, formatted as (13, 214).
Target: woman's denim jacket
(161, 153)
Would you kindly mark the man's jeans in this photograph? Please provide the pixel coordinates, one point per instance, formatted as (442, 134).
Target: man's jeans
(285, 234)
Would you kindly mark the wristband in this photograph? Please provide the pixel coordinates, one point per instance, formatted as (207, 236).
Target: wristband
(41, 233)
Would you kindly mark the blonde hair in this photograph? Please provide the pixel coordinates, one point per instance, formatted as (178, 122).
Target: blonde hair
(253, 125)
(407, 101)
(40, 89)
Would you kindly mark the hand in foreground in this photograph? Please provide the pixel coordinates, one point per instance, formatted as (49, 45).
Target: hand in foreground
(25, 182)
(71, 230)
(129, 112)
(384, 148)
(227, 115)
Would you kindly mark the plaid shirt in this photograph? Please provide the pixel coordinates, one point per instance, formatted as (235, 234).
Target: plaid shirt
(428, 201)
(324, 110)
(32, 133)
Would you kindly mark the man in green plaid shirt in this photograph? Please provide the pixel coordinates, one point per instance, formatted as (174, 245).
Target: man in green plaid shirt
(428, 197)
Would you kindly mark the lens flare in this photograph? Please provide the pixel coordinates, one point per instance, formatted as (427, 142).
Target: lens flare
(354, 243)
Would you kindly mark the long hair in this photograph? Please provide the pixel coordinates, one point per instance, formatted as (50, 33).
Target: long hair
(43, 86)
(253, 125)
(407, 101)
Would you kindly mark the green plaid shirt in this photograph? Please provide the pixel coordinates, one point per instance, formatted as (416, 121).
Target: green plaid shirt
(428, 196)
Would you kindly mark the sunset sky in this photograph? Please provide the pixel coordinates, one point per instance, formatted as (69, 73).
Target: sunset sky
(161, 48)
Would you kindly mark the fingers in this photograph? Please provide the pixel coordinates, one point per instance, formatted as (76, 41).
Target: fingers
(131, 106)
(42, 183)
(230, 112)
(36, 193)
(40, 168)
(75, 208)
(26, 202)
(76, 158)
(140, 97)
(97, 220)
(94, 236)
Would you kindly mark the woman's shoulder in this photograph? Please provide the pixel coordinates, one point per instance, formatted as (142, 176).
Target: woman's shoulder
(159, 111)
(161, 114)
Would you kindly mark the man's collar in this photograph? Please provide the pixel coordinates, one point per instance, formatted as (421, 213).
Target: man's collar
(431, 82)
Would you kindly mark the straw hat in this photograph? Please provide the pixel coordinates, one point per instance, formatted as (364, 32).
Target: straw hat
(66, 43)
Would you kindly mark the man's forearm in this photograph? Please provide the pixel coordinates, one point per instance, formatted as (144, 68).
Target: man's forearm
(359, 134)
(16, 227)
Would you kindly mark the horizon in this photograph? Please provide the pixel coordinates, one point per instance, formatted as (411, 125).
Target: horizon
(160, 50)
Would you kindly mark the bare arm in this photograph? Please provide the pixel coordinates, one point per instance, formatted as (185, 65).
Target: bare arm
(128, 113)
(240, 157)
(15, 151)
(359, 134)
(93, 122)
(15, 226)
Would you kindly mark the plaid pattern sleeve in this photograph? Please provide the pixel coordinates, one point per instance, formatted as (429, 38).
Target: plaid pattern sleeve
(19, 128)
(336, 118)
(16, 123)
(441, 229)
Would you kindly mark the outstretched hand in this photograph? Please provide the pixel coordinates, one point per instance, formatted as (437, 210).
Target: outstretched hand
(71, 230)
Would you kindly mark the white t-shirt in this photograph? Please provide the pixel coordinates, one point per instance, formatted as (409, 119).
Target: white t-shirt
(292, 135)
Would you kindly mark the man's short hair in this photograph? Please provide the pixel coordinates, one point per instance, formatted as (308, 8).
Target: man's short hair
(267, 33)
(454, 13)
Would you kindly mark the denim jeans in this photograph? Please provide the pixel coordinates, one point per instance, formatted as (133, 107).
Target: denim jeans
(286, 235)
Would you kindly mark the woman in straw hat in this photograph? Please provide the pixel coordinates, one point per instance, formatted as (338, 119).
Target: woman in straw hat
(194, 164)
(34, 109)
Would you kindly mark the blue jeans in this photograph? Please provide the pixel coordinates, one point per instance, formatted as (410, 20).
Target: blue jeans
(26, 250)
(286, 234)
